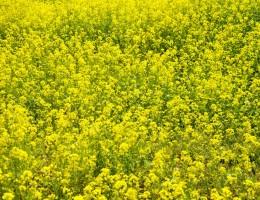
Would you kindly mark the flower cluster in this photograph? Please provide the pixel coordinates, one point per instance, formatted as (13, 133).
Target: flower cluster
(154, 99)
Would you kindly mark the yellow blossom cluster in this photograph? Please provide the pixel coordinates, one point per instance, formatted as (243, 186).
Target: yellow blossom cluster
(129, 99)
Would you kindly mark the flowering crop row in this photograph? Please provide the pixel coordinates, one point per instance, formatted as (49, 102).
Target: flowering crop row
(129, 99)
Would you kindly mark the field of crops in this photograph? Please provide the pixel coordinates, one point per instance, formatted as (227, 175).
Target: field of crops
(129, 99)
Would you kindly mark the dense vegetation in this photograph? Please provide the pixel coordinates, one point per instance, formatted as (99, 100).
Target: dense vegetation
(129, 99)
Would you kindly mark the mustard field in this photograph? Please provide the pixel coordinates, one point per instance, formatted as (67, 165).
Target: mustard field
(129, 99)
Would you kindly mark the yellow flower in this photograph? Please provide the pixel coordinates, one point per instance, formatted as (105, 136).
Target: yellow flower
(19, 154)
(38, 195)
(78, 197)
(27, 175)
(131, 193)
(120, 185)
(195, 194)
(226, 192)
(123, 148)
(52, 197)
(215, 195)
(8, 196)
